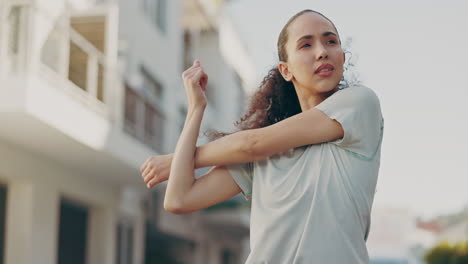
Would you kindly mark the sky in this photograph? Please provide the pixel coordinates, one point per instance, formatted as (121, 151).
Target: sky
(414, 55)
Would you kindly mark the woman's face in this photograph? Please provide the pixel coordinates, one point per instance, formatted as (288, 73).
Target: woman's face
(312, 43)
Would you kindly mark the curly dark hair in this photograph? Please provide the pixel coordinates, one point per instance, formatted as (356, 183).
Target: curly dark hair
(275, 99)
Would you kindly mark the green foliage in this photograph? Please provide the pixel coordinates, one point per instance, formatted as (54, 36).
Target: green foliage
(461, 253)
(445, 253)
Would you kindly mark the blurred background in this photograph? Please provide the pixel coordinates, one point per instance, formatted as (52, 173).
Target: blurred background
(89, 89)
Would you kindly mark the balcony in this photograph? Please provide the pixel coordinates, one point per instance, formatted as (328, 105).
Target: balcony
(73, 54)
(63, 96)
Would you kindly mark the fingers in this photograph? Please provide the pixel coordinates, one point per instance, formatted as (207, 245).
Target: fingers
(153, 182)
(148, 170)
(204, 81)
(149, 175)
(200, 78)
(156, 169)
(196, 66)
(145, 164)
(152, 173)
(151, 178)
(193, 74)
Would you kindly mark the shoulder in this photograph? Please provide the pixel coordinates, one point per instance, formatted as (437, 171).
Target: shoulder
(356, 99)
(356, 96)
(358, 91)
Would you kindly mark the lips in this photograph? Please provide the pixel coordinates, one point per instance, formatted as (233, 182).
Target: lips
(324, 68)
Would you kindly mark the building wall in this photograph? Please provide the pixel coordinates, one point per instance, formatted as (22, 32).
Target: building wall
(59, 147)
(455, 233)
(35, 186)
(45, 160)
(143, 44)
(227, 95)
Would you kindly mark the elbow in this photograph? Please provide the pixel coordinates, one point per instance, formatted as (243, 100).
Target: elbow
(174, 207)
(174, 210)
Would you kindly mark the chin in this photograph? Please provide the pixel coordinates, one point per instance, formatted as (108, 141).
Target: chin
(327, 88)
(323, 86)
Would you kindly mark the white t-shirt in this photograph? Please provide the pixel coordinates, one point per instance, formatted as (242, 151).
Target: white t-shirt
(312, 204)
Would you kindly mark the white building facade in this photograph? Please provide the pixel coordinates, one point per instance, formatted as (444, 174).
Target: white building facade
(90, 90)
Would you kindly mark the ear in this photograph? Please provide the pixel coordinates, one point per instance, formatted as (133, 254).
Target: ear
(284, 70)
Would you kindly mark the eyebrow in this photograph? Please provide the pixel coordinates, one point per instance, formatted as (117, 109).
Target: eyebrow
(326, 34)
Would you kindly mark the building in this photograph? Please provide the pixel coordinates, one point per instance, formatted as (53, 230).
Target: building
(453, 228)
(396, 237)
(90, 89)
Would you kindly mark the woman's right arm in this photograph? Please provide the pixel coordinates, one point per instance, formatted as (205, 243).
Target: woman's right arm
(231, 149)
(214, 187)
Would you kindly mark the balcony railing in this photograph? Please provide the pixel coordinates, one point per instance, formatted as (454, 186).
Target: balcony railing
(11, 34)
(143, 120)
(67, 57)
(72, 59)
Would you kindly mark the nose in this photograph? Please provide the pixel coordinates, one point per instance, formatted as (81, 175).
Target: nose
(322, 52)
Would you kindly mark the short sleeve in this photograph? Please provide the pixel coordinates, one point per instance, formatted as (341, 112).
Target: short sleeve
(357, 109)
(242, 175)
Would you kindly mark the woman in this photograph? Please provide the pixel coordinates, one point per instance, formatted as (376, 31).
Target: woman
(308, 154)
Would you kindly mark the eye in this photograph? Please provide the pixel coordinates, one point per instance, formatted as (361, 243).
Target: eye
(305, 45)
(332, 41)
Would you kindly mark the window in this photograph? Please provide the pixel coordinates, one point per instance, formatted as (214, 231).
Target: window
(156, 10)
(154, 117)
(227, 257)
(187, 47)
(151, 85)
(148, 129)
(152, 207)
(3, 196)
(154, 127)
(73, 228)
(14, 23)
(124, 242)
(161, 15)
(165, 248)
(131, 103)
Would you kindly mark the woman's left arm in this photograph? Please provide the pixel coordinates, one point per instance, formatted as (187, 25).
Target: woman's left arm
(182, 167)
(351, 115)
(309, 127)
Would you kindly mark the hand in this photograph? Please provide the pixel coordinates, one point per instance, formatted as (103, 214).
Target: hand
(195, 81)
(156, 169)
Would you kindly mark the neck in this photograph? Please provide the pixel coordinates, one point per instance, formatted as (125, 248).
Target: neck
(309, 99)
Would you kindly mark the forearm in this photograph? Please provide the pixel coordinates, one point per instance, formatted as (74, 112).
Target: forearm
(182, 167)
(231, 149)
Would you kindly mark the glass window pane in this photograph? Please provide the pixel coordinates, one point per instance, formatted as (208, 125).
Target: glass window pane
(72, 233)
(3, 197)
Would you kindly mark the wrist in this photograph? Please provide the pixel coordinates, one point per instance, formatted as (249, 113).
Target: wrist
(196, 108)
